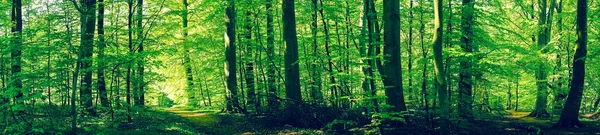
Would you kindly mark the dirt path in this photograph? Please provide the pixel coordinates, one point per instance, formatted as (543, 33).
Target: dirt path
(234, 124)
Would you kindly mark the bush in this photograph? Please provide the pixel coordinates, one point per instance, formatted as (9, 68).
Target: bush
(339, 127)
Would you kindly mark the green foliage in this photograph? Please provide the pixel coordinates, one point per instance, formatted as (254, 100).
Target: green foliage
(339, 126)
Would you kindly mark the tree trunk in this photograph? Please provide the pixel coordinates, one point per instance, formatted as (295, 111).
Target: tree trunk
(393, 74)
(140, 37)
(438, 58)
(545, 25)
(316, 86)
(271, 68)
(410, 53)
(465, 86)
(101, 45)
(88, 18)
(16, 51)
(292, 69)
(569, 116)
(249, 72)
(230, 58)
(187, 63)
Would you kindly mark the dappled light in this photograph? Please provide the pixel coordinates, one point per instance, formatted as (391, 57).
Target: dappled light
(296, 67)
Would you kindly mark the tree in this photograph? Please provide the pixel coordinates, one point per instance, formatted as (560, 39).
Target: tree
(271, 86)
(249, 71)
(292, 69)
(101, 47)
(139, 101)
(569, 116)
(465, 85)
(438, 58)
(16, 52)
(230, 58)
(88, 18)
(187, 63)
(393, 75)
(545, 25)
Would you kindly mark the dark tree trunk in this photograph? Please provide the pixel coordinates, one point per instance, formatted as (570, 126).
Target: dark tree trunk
(88, 18)
(392, 78)
(569, 116)
(101, 45)
(292, 69)
(139, 101)
(230, 59)
(16, 51)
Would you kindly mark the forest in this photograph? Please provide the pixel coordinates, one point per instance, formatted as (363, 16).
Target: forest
(374, 67)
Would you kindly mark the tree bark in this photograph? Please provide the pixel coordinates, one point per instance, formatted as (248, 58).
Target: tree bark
(187, 63)
(569, 116)
(230, 58)
(16, 51)
(393, 77)
(140, 65)
(292, 69)
(88, 18)
(101, 46)
(438, 58)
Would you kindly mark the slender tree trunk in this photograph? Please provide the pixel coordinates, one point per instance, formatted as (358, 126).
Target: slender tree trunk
(570, 114)
(129, 65)
(249, 72)
(465, 86)
(187, 63)
(101, 45)
(438, 58)
(410, 53)
(517, 95)
(140, 65)
(17, 50)
(271, 68)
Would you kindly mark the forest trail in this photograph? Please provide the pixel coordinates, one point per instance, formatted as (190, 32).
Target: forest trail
(519, 121)
(211, 122)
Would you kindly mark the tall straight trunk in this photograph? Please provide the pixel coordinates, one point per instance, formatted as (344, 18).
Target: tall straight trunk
(438, 58)
(545, 25)
(570, 114)
(272, 102)
(392, 78)
(372, 61)
(424, 75)
(410, 52)
(365, 44)
(249, 72)
(88, 18)
(101, 45)
(230, 58)
(129, 65)
(16, 51)
(186, 57)
(292, 69)
(465, 85)
(139, 101)
(316, 93)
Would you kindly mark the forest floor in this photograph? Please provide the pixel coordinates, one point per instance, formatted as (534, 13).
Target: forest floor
(194, 121)
(211, 122)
